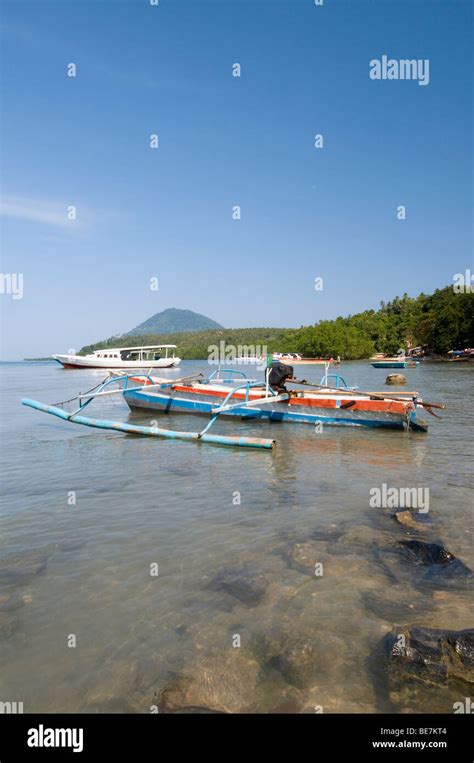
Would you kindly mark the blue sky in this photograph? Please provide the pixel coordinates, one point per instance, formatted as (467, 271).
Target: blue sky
(225, 141)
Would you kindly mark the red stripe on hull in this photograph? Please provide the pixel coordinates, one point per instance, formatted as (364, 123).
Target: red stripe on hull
(391, 406)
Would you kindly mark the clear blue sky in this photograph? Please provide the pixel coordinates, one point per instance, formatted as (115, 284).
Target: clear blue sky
(224, 141)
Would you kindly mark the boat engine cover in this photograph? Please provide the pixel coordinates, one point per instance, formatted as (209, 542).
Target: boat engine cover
(279, 373)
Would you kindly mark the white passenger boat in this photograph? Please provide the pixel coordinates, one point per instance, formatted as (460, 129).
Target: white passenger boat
(151, 356)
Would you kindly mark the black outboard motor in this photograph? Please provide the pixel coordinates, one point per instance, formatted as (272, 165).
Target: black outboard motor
(278, 373)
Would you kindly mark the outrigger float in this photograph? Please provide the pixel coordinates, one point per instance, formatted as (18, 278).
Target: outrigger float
(85, 399)
(247, 399)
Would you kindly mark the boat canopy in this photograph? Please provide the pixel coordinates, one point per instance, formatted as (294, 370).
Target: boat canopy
(138, 348)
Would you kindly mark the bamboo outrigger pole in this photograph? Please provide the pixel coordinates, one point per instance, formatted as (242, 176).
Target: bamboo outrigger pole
(245, 442)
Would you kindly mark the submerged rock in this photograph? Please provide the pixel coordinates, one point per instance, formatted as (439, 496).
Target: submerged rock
(304, 556)
(305, 658)
(333, 532)
(244, 583)
(224, 682)
(425, 564)
(427, 553)
(395, 604)
(19, 568)
(441, 564)
(423, 661)
(301, 661)
(411, 519)
(11, 601)
(362, 539)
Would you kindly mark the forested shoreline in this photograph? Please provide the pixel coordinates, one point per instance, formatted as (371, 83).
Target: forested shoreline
(439, 322)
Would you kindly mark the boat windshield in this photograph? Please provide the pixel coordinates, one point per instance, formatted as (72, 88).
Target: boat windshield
(144, 355)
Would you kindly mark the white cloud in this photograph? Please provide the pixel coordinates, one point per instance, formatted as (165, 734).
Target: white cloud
(45, 212)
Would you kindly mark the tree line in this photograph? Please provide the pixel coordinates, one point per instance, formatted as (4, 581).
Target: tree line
(439, 322)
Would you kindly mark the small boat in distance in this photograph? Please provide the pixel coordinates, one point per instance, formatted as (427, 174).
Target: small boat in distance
(403, 359)
(123, 357)
(461, 356)
(298, 360)
(396, 363)
(248, 359)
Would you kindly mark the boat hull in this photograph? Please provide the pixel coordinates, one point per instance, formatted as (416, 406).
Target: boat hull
(297, 410)
(83, 361)
(311, 362)
(308, 361)
(396, 364)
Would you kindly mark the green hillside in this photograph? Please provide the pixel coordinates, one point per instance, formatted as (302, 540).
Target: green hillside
(174, 321)
(441, 321)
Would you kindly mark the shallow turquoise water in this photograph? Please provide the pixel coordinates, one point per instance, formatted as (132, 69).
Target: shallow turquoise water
(142, 501)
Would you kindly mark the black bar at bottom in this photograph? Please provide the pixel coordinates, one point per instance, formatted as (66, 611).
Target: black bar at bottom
(115, 737)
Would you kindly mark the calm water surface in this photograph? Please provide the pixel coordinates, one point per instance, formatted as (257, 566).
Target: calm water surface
(141, 501)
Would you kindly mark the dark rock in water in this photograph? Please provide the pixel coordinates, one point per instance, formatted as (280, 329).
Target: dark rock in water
(8, 624)
(10, 602)
(427, 553)
(19, 568)
(224, 682)
(244, 583)
(423, 663)
(433, 652)
(426, 564)
(442, 563)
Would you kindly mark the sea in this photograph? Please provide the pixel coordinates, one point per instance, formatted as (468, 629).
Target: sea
(147, 575)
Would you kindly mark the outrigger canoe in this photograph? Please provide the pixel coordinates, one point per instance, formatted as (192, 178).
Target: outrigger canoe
(245, 398)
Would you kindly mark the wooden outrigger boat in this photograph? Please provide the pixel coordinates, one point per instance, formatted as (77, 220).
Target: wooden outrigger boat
(252, 399)
(246, 398)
